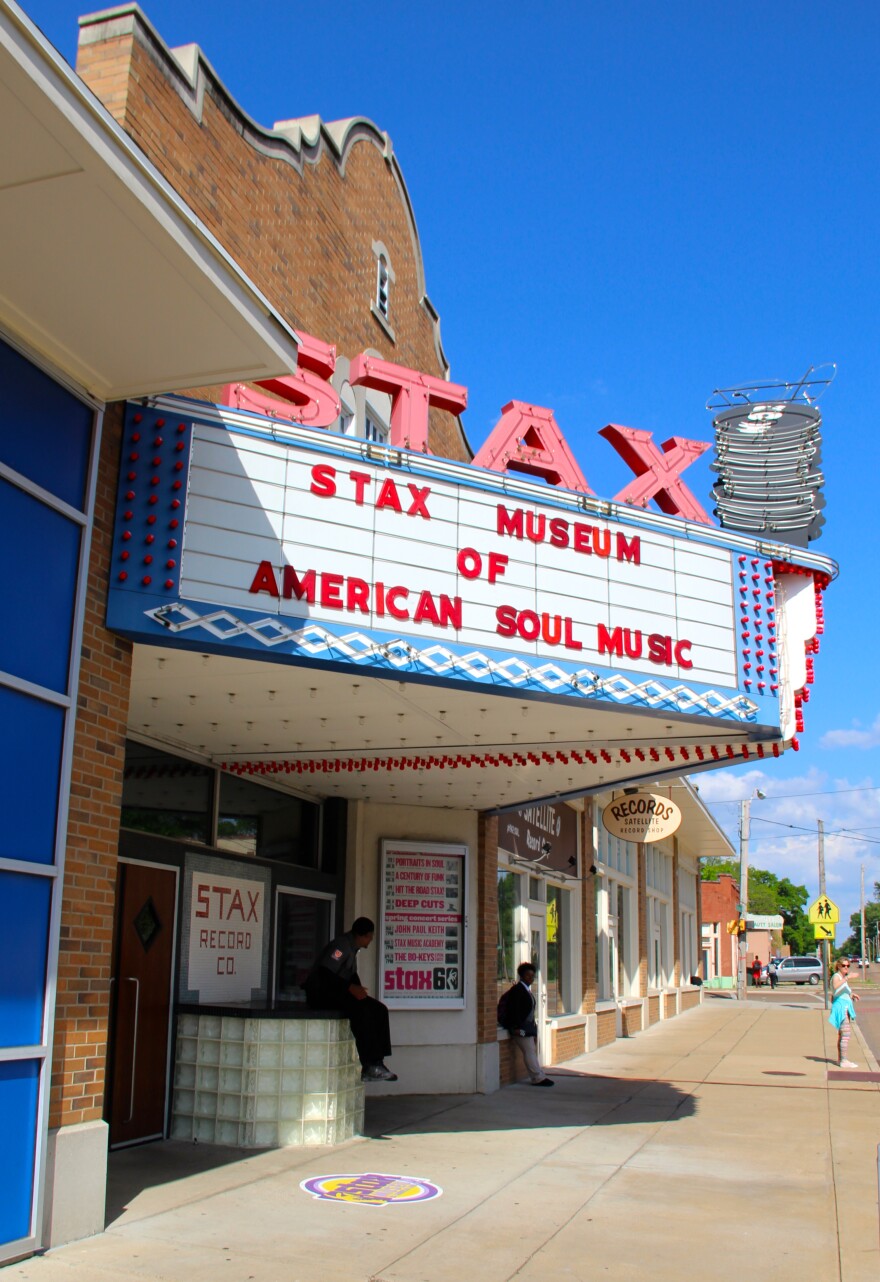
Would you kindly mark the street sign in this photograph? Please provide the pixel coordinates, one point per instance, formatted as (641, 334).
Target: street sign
(823, 910)
(821, 931)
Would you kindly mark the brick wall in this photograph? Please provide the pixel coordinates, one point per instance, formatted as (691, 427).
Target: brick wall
(588, 910)
(565, 1043)
(510, 1064)
(632, 1020)
(606, 1027)
(689, 999)
(718, 903)
(676, 918)
(487, 929)
(653, 1009)
(299, 220)
(84, 960)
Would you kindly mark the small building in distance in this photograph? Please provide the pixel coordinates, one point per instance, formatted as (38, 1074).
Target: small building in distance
(720, 900)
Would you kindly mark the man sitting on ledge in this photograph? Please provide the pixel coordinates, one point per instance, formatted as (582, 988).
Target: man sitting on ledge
(333, 984)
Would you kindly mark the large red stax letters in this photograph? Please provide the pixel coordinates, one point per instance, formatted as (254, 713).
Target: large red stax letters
(411, 395)
(309, 396)
(657, 475)
(526, 438)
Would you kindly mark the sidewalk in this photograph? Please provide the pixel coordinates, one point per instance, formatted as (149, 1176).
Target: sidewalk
(715, 1142)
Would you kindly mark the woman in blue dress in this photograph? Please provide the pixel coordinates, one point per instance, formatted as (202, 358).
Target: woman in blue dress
(843, 1012)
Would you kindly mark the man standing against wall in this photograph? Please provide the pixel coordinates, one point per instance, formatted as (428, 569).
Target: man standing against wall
(518, 1010)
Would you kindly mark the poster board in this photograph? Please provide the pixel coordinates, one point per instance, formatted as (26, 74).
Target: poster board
(421, 931)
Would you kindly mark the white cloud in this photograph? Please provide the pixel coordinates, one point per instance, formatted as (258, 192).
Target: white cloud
(784, 837)
(855, 737)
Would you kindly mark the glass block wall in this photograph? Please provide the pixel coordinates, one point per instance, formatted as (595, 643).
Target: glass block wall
(265, 1083)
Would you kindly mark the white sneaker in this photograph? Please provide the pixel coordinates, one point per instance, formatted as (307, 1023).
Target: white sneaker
(847, 1063)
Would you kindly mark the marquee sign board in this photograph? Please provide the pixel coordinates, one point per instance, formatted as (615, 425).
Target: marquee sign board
(641, 816)
(291, 544)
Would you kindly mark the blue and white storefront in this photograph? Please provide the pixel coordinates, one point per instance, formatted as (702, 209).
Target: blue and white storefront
(87, 225)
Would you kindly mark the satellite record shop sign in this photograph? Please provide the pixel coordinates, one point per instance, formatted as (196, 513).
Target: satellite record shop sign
(641, 816)
(241, 540)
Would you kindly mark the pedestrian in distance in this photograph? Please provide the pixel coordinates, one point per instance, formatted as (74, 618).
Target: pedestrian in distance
(516, 1013)
(756, 971)
(843, 1011)
(771, 972)
(334, 984)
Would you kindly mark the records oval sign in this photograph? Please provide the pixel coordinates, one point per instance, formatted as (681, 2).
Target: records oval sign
(641, 816)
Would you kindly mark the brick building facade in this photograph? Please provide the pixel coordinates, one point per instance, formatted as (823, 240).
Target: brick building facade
(720, 949)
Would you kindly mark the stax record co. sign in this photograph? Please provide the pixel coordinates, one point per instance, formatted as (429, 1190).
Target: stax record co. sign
(641, 816)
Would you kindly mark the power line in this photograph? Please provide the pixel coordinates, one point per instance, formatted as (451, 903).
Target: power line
(786, 796)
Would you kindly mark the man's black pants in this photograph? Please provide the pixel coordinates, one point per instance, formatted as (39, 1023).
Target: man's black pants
(368, 1018)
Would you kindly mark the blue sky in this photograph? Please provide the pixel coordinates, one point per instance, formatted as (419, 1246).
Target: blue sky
(622, 207)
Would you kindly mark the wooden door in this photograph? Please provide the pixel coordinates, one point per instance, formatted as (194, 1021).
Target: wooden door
(141, 1002)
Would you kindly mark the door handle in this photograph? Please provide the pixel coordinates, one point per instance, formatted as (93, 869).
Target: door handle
(130, 979)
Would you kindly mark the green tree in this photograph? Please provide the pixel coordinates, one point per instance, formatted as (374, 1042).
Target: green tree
(852, 946)
(771, 896)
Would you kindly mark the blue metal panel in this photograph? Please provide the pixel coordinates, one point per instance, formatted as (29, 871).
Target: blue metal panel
(45, 432)
(150, 501)
(30, 760)
(39, 561)
(18, 1126)
(24, 929)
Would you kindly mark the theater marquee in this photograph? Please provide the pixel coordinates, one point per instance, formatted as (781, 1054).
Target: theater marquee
(295, 544)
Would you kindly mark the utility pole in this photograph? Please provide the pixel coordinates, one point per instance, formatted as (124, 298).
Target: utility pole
(744, 823)
(826, 952)
(862, 915)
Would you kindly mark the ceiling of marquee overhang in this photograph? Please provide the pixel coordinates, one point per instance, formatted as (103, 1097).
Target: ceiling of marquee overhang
(329, 734)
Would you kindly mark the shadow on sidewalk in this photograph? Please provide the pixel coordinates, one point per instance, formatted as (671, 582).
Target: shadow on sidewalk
(132, 1170)
(578, 1100)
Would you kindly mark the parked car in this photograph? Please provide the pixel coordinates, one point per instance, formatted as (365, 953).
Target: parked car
(799, 970)
(857, 961)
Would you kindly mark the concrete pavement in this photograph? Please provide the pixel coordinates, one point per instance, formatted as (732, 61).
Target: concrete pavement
(719, 1140)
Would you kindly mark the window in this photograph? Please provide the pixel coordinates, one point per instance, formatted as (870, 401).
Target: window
(381, 303)
(303, 924)
(375, 431)
(557, 977)
(622, 939)
(616, 854)
(167, 796)
(687, 898)
(383, 282)
(508, 911)
(264, 822)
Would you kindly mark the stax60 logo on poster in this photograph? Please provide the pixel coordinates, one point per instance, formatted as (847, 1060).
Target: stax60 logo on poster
(436, 979)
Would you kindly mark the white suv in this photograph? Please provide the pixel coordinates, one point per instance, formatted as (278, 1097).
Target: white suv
(799, 970)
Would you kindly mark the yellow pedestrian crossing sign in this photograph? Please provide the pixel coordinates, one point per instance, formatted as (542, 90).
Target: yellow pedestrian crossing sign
(821, 931)
(824, 911)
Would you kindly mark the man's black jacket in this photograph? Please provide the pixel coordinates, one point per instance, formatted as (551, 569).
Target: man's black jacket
(521, 1011)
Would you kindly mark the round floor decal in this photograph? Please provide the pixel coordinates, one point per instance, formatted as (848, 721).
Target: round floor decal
(372, 1188)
